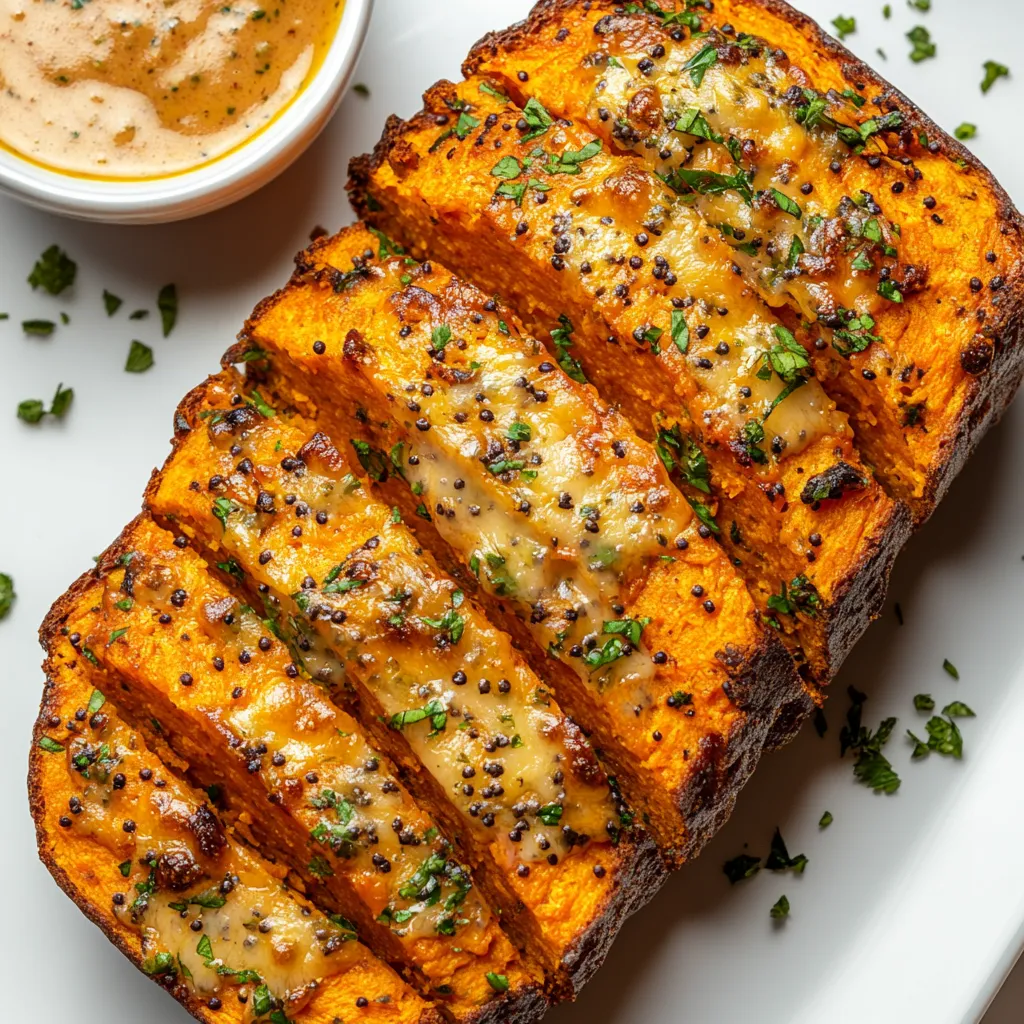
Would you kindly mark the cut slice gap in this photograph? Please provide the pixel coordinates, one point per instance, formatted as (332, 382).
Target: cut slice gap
(179, 651)
(482, 739)
(562, 517)
(125, 839)
(626, 278)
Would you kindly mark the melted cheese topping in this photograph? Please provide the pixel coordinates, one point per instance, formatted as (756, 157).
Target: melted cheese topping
(330, 779)
(231, 925)
(739, 119)
(608, 212)
(553, 507)
(358, 598)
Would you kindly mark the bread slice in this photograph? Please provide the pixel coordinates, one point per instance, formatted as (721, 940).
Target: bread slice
(664, 328)
(482, 738)
(146, 859)
(177, 649)
(557, 514)
(840, 198)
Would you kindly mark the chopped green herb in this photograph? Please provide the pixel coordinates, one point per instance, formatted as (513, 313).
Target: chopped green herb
(489, 90)
(704, 514)
(162, 963)
(53, 271)
(7, 595)
(111, 303)
(499, 982)
(785, 204)
(50, 746)
(788, 358)
(993, 72)
(386, 246)
(38, 328)
(361, 89)
(538, 120)
(778, 858)
(943, 735)
(32, 410)
(167, 304)
(680, 331)
(440, 336)
(741, 867)
(958, 709)
(923, 45)
(965, 130)
(844, 26)
(518, 432)
(693, 122)
(871, 768)
(451, 622)
(950, 668)
(629, 628)
(222, 508)
(569, 162)
(700, 62)
(924, 702)
(508, 167)
(888, 290)
(138, 314)
(683, 180)
(560, 338)
(825, 820)
(140, 358)
(780, 910)
(550, 814)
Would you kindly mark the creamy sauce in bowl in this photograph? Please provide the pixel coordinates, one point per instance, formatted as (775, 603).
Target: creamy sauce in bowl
(131, 89)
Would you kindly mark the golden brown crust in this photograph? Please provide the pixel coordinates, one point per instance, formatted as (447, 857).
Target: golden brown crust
(525, 1003)
(89, 873)
(993, 362)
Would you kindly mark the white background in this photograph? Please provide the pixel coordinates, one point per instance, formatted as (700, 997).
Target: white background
(912, 906)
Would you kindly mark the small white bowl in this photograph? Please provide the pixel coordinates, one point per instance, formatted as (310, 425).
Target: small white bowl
(217, 183)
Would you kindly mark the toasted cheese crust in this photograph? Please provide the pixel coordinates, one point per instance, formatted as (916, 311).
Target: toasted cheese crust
(563, 520)
(436, 684)
(840, 199)
(148, 861)
(664, 327)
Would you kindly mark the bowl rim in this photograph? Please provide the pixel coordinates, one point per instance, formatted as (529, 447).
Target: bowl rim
(213, 185)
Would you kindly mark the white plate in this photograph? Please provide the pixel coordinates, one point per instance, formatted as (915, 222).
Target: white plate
(912, 906)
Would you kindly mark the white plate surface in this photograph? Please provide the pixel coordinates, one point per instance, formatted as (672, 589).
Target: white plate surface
(912, 907)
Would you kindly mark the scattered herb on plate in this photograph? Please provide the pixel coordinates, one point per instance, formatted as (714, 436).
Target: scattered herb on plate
(140, 358)
(844, 26)
(53, 271)
(167, 303)
(743, 866)
(872, 767)
(7, 595)
(993, 72)
(32, 410)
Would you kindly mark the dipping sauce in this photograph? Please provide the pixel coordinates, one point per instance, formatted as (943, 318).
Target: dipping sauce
(146, 88)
